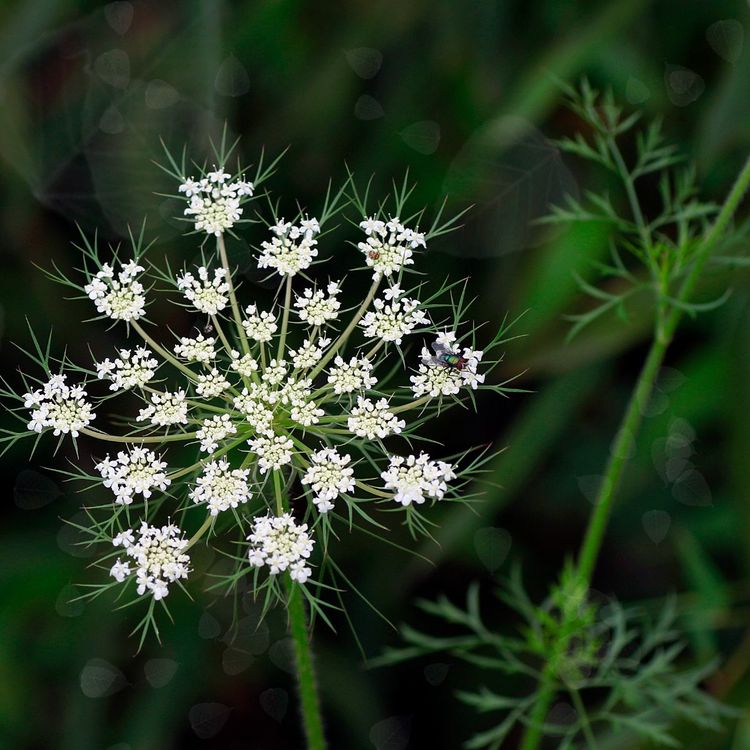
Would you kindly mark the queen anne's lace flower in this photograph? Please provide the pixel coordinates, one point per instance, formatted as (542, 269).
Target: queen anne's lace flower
(292, 249)
(373, 419)
(393, 317)
(197, 349)
(118, 297)
(209, 295)
(281, 544)
(328, 476)
(252, 403)
(354, 375)
(318, 307)
(129, 370)
(389, 245)
(158, 556)
(220, 487)
(275, 372)
(244, 364)
(137, 472)
(273, 451)
(309, 353)
(214, 202)
(166, 409)
(212, 384)
(259, 326)
(213, 430)
(415, 477)
(57, 405)
(438, 378)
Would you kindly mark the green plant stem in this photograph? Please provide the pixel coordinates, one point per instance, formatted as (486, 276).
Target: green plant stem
(164, 353)
(624, 443)
(308, 691)
(312, 721)
(232, 294)
(285, 318)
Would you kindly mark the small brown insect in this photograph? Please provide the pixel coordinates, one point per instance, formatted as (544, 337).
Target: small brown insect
(373, 254)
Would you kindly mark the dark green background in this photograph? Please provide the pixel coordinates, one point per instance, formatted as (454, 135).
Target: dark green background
(461, 93)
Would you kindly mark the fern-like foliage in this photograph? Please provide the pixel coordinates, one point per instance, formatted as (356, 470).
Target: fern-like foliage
(650, 252)
(615, 670)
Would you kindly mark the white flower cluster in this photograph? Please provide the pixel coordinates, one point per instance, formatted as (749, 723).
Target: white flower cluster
(328, 476)
(354, 375)
(415, 477)
(318, 307)
(259, 326)
(309, 353)
(292, 248)
(244, 364)
(214, 201)
(137, 472)
(252, 402)
(59, 406)
(437, 377)
(213, 430)
(129, 369)
(118, 297)
(394, 316)
(273, 451)
(158, 556)
(211, 385)
(220, 487)
(373, 419)
(279, 543)
(198, 349)
(165, 409)
(208, 295)
(389, 245)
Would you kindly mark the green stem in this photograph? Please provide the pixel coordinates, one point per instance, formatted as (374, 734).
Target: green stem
(164, 353)
(232, 295)
(285, 318)
(308, 691)
(177, 437)
(624, 443)
(312, 721)
(329, 355)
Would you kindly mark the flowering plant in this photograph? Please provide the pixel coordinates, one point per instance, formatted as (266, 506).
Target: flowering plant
(300, 416)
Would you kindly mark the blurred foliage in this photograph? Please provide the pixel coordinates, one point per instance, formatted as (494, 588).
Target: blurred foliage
(461, 94)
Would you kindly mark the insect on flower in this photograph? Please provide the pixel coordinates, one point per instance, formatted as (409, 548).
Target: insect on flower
(445, 357)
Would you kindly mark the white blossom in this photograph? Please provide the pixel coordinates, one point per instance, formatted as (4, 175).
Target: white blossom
(220, 487)
(317, 307)
(435, 378)
(393, 317)
(415, 477)
(354, 375)
(121, 296)
(129, 369)
(252, 402)
(373, 419)
(211, 384)
(309, 353)
(281, 544)
(213, 430)
(57, 405)
(165, 409)
(259, 326)
(197, 349)
(328, 475)
(273, 451)
(244, 364)
(136, 472)
(292, 248)
(389, 245)
(158, 556)
(275, 372)
(214, 202)
(209, 295)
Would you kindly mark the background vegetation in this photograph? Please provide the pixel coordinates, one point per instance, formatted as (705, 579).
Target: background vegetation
(462, 95)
